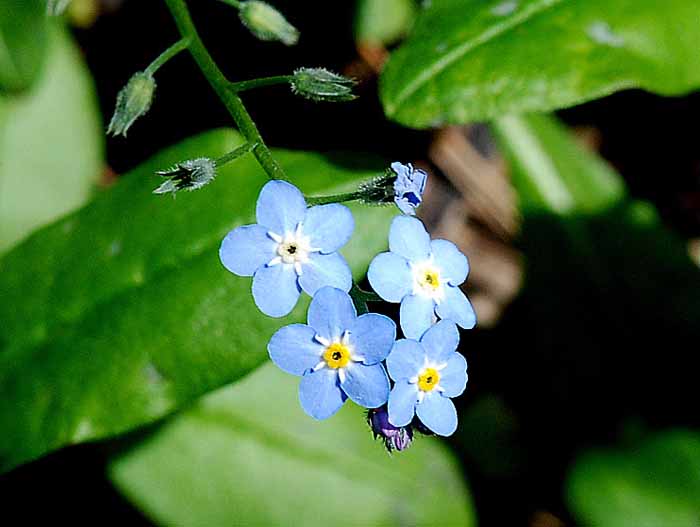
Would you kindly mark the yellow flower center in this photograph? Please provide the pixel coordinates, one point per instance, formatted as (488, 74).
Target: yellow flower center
(429, 278)
(429, 379)
(337, 355)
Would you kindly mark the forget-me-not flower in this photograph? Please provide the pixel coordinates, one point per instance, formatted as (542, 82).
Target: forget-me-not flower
(290, 249)
(408, 187)
(338, 354)
(424, 276)
(426, 375)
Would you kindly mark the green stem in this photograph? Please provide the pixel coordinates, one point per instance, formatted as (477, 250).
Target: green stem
(217, 80)
(361, 297)
(169, 53)
(335, 198)
(233, 154)
(259, 83)
(233, 3)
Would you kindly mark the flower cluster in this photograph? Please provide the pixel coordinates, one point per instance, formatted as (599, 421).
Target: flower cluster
(407, 384)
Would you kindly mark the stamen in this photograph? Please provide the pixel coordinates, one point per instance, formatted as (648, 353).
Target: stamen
(320, 365)
(322, 340)
(276, 260)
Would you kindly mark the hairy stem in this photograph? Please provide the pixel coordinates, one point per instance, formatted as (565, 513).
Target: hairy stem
(335, 198)
(221, 86)
(259, 83)
(238, 152)
(168, 54)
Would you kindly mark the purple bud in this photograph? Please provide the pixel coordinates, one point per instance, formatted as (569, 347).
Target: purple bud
(395, 438)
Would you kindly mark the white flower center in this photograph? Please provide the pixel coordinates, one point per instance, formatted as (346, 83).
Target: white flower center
(292, 249)
(337, 354)
(427, 280)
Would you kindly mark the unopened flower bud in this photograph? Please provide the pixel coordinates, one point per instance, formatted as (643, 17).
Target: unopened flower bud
(394, 438)
(266, 23)
(56, 7)
(319, 84)
(401, 184)
(133, 101)
(188, 175)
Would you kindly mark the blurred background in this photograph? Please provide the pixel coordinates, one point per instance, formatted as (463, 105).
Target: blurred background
(581, 407)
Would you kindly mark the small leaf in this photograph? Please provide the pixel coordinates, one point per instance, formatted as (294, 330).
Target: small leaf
(51, 144)
(383, 21)
(121, 313)
(248, 455)
(471, 60)
(656, 483)
(23, 42)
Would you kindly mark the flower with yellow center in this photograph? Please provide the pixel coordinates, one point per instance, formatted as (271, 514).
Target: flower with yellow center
(337, 355)
(428, 379)
(427, 280)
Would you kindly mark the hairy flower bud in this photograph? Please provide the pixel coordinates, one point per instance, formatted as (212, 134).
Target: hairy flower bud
(188, 175)
(395, 438)
(401, 184)
(319, 84)
(266, 23)
(133, 101)
(56, 7)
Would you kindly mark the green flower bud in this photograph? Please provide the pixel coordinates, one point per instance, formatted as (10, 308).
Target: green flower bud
(319, 84)
(188, 175)
(266, 23)
(133, 101)
(56, 7)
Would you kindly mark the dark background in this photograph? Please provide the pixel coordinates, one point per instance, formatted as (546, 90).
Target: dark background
(535, 410)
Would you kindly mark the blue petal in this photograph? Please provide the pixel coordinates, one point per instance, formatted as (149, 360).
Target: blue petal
(247, 248)
(457, 308)
(406, 360)
(438, 413)
(440, 341)
(372, 337)
(390, 276)
(408, 238)
(367, 386)
(294, 350)
(325, 270)
(402, 403)
(320, 394)
(454, 266)
(329, 227)
(453, 378)
(416, 315)
(331, 312)
(275, 289)
(281, 206)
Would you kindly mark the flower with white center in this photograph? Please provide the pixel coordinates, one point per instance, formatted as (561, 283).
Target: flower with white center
(408, 187)
(424, 276)
(338, 355)
(290, 249)
(427, 374)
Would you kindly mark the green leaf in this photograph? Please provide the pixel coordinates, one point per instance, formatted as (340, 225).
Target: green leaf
(383, 21)
(248, 455)
(470, 60)
(23, 42)
(51, 144)
(656, 483)
(121, 313)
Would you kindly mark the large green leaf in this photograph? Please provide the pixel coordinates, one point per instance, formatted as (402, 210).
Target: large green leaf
(248, 455)
(473, 60)
(122, 312)
(23, 42)
(656, 483)
(51, 144)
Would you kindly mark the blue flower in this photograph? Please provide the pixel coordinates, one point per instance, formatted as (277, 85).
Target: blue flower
(338, 354)
(290, 249)
(426, 375)
(408, 187)
(424, 276)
